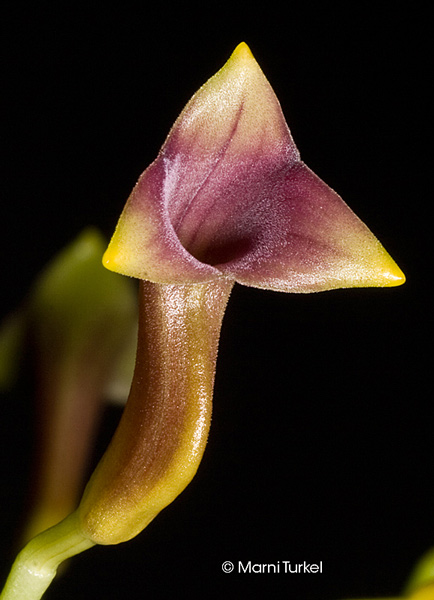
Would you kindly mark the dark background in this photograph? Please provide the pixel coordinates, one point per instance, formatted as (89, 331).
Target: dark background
(321, 442)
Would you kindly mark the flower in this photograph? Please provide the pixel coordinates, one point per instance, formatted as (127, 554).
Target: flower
(227, 200)
(228, 196)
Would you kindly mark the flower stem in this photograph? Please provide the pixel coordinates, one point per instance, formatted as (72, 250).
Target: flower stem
(36, 565)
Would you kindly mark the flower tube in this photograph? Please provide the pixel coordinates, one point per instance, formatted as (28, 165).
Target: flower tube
(163, 432)
(227, 200)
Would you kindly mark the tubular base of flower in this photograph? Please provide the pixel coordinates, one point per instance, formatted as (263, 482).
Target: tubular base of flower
(161, 437)
(36, 565)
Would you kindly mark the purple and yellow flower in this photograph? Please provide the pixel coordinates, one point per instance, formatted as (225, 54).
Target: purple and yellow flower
(228, 196)
(226, 200)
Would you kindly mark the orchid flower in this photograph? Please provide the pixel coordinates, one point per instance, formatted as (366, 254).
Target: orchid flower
(227, 200)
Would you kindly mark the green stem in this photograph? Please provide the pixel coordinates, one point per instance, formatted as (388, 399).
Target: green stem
(36, 565)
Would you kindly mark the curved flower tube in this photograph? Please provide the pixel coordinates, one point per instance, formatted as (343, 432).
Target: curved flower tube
(162, 435)
(227, 200)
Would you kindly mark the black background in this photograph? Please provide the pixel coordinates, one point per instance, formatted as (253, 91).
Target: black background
(321, 442)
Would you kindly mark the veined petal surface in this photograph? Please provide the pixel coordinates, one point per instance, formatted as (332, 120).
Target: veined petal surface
(228, 196)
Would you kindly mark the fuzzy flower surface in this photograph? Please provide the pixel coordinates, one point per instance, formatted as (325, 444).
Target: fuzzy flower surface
(228, 196)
